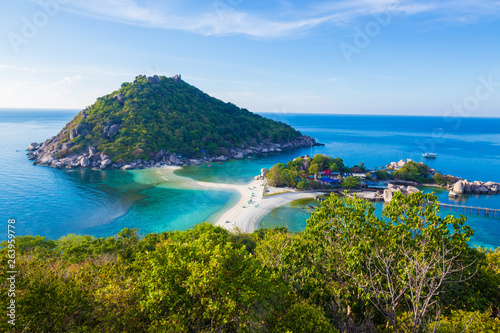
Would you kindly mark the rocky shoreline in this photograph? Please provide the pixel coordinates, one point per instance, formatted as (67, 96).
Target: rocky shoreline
(46, 154)
(456, 185)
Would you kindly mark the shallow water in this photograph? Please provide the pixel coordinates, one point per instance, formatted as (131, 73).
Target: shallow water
(53, 203)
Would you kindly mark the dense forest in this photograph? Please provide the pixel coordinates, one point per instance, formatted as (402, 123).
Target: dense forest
(162, 113)
(348, 271)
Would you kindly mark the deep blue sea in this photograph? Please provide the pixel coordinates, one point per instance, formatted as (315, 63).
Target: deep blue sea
(52, 203)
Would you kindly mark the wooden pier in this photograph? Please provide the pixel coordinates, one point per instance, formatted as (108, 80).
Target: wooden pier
(471, 210)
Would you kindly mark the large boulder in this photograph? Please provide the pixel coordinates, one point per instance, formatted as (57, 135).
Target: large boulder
(387, 195)
(458, 187)
(174, 159)
(105, 163)
(155, 79)
(33, 146)
(112, 130)
(120, 98)
(67, 146)
(412, 189)
(46, 159)
(401, 163)
(483, 190)
(85, 162)
(128, 167)
(238, 156)
(177, 78)
(452, 194)
(80, 129)
(194, 162)
(264, 171)
(72, 134)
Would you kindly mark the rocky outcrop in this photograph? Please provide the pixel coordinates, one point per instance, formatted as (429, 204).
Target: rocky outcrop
(458, 187)
(392, 188)
(461, 187)
(177, 78)
(263, 173)
(112, 130)
(120, 98)
(155, 79)
(33, 146)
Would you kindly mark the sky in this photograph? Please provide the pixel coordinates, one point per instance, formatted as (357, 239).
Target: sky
(395, 57)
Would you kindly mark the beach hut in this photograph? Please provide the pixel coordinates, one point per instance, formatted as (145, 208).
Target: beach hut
(356, 169)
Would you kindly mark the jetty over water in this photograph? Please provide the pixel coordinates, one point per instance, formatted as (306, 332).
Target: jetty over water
(468, 209)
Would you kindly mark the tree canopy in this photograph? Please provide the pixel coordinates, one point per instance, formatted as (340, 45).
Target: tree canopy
(410, 270)
(173, 116)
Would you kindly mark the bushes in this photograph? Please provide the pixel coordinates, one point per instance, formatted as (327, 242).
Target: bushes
(206, 279)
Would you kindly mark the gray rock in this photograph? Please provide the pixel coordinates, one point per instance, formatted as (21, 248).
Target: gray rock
(105, 131)
(177, 78)
(387, 195)
(33, 146)
(67, 145)
(128, 167)
(483, 190)
(105, 162)
(80, 129)
(154, 79)
(264, 171)
(85, 162)
(220, 158)
(458, 187)
(452, 194)
(195, 162)
(104, 157)
(120, 98)
(174, 159)
(238, 156)
(412, 189)
(72, 134)
(46, 159)
(112, 130)
(92, 151)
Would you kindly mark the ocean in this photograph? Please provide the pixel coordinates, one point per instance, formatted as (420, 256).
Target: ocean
(53, 203)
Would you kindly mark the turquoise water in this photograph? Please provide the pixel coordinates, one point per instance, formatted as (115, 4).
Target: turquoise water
(53, 202)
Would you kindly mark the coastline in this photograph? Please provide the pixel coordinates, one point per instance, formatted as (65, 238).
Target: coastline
(245, 215)
(242, 216)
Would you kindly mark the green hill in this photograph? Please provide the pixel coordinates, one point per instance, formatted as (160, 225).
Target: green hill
(160, 114)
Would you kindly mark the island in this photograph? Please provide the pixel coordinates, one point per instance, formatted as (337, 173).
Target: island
(157, 121)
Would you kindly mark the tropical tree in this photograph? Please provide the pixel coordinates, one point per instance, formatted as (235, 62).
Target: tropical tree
(402, 262)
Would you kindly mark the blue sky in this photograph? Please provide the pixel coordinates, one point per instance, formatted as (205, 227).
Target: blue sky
(403, 57)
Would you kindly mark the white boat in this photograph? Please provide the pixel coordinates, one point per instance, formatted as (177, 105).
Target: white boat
(429, 155)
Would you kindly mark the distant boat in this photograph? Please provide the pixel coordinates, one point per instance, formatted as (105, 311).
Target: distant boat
(429, 155)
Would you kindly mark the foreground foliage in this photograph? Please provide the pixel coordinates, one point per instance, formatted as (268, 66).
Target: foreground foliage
(348, 271)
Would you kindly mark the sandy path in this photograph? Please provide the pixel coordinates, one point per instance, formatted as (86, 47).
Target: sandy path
(245, 216)
(245, 219)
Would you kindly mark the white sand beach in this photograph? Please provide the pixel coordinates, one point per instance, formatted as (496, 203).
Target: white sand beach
(252, 206)
(245, 214)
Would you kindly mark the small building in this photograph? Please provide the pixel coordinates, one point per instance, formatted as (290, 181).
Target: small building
(361, 176)
(356, 169)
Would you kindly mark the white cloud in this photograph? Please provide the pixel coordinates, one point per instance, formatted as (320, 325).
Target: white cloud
(221, 18)
(6, 67)
(62, 85)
